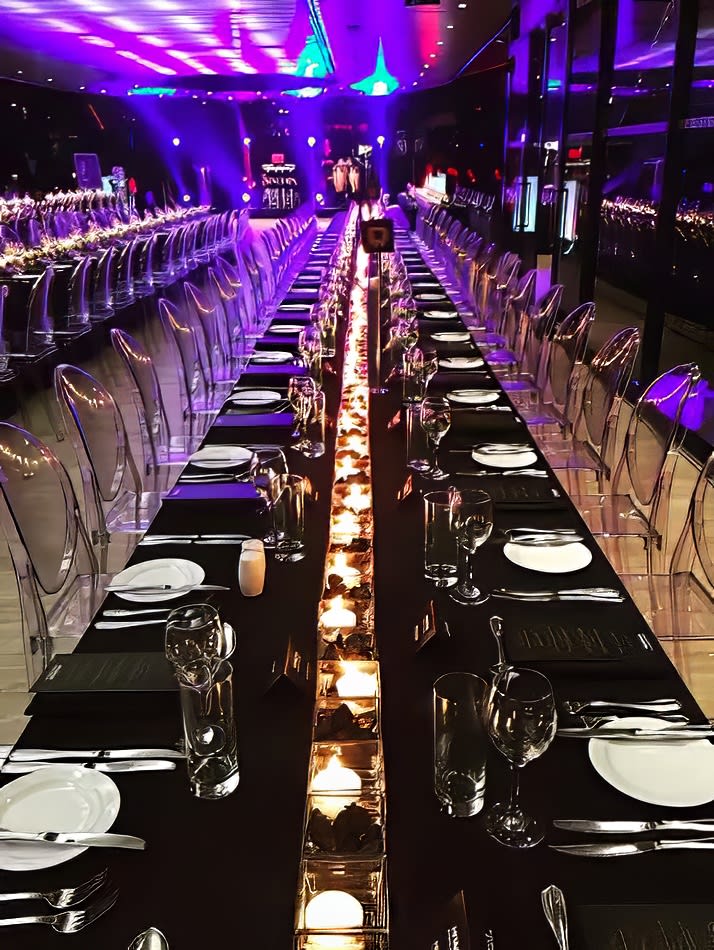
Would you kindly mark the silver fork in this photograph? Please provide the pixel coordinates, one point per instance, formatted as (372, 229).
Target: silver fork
(63, 897)
(70, 921)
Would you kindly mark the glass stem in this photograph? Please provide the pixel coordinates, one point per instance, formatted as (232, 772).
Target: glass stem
(435, 455)
(515, 788)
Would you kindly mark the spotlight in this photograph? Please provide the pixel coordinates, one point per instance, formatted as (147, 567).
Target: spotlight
(187, 198)
(176, 141)
(246, 142)
(320, 198)
(246, 197)
(311, 141)
(380, 140)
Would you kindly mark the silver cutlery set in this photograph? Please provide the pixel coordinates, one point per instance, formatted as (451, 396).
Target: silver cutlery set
(66, 900)
(229, 539)
(602, 595)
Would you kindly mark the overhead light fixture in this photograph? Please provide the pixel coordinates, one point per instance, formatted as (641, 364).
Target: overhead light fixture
(449, 26)
(381, 82)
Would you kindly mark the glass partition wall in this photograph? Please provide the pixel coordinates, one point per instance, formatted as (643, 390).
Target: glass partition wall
(610, 166)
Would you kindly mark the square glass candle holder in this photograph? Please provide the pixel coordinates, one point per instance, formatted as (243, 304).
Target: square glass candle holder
(343, 768)
(342, 905)
(346, 720)
(349, 827)
(348, 679)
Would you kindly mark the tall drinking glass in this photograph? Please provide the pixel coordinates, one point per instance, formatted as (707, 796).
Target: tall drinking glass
(522, 724)
(196, 632)
(413, 379)
(460, 743)
(436, 422)
(440, 555)
(288, 493)
(473, 526)
(210, 729)
(265, 464)
(312, 442)
(301, 389)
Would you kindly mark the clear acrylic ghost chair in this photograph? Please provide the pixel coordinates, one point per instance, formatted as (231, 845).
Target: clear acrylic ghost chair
(593, 424)
(165, 271)
(638, 506)
(117, 497)
(561, 397)
(38, 338)
(226, 295)
(190, 372)
(249, 306)
(532, 347)
(58, 575)
(680, 604)
(144, 267)
(162, 447)
(500, 345)
(77, 320)
(124, 294)
(102, 291)
(208, 312)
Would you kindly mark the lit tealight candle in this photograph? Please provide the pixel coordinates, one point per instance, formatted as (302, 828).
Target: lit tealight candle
(344, 527)
(356, 499)
(338, 618)
(343, 785)
(333, 910)
(355, 683)
(350, 575)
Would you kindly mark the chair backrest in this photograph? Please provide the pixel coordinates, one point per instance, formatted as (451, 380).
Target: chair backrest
(79, 291)
(45, 532)
(98, 434)
(40, 320)
(537, 332)
(206, 319)
(155, 423)
(566, 352)
(102, 283)
(694, 552)
(608, 376)
(517, 306)
(182, 334)
(655, 430)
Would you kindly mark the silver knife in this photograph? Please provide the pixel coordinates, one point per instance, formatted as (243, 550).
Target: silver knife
(82, 839)
(545, 596)
(633, 827)
(121, 625)
(48, 755)
(161, 588)
(121, 612)
(640, 735)
(140, 765)
(623, 848)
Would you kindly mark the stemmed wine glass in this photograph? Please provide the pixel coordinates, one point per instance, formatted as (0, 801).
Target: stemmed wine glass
(431, 366)
(522, 724)
(435, 418)
(301, 392)
(265, 464)
(472, 526)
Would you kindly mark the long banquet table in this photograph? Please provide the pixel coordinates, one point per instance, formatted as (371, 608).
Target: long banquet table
(224, 874)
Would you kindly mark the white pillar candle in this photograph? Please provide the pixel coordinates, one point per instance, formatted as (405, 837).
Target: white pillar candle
(337, 780)
(338, 617)
(251, 568)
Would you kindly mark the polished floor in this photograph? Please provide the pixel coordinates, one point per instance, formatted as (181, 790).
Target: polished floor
(693, 658)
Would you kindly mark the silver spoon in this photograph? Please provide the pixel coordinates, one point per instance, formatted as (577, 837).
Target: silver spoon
(151, 939)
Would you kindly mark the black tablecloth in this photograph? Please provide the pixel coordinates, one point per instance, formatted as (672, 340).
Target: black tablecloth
(214, 873)
(430, 856)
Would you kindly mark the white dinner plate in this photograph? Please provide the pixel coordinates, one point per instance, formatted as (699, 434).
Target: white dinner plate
(272, 356)
(461, 362)
(473, 397)
(255, 397)
(555, 559)
(302, 307)
(431, 297)
(446, 336)
(287, 328)
(439, 315)
(56, 798)
(504, 460)
(221, 456)
(675, 774)
(175, 571)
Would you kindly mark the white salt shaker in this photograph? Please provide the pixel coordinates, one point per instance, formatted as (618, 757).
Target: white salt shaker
(251, 568)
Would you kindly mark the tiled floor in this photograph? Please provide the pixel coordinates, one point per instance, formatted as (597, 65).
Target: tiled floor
(694, 659)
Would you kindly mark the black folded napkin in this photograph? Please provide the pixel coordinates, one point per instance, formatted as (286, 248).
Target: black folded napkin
(594, 639)
(636, 926)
